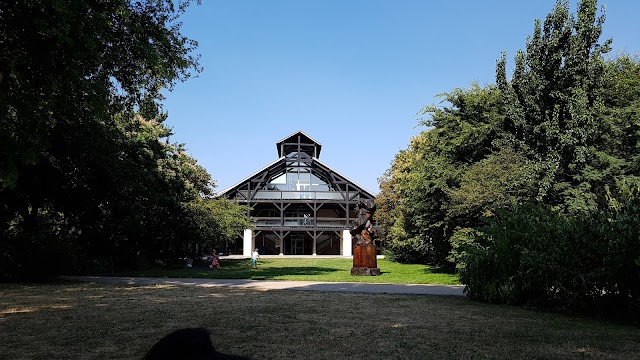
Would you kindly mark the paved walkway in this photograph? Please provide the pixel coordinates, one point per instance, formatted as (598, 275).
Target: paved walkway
(451, 290)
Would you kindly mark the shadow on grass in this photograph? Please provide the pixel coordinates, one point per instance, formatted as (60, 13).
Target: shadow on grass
(300, 270)
(241, 271)
(439, 270)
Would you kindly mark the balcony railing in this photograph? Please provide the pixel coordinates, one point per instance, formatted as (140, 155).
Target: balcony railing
(295, 195)
(300, 222)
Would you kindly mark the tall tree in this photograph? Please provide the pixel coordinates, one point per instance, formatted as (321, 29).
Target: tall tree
(562, 131)
(554, 103)
(621, 125)
(423, 179)
(85, 164)
(71, 63)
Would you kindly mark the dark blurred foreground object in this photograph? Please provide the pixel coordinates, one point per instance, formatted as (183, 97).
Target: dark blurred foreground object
(187, 344)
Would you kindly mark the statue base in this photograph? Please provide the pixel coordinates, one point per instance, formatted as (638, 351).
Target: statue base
(365, 261)
(363, 271)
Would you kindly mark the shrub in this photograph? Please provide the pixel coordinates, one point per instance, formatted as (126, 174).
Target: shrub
(532, 255)
(409, 251)
(460, 241)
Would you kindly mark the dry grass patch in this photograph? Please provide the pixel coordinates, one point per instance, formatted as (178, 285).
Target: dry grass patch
(100, 321)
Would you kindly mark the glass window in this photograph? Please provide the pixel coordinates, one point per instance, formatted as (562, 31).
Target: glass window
(304, 178)
(279, 180)
(292, 178)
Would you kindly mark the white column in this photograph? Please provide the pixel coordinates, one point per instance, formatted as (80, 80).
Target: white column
(314, 245)
(247, 243)
(346, 243)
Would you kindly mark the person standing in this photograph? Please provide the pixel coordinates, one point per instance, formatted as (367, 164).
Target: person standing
(215, 260)
(254, 258)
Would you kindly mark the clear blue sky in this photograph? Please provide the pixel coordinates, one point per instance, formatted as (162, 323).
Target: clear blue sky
(352, 74)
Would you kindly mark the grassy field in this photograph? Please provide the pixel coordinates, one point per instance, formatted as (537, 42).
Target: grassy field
(98, 321)
(322, 269)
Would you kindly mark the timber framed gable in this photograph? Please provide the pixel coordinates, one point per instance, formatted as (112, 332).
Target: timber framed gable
(300, 206)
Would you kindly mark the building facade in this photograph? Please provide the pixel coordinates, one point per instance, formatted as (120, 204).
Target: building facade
(300, 206)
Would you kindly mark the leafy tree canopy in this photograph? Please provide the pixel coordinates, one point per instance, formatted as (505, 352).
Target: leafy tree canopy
(561, 131)
(87, 171)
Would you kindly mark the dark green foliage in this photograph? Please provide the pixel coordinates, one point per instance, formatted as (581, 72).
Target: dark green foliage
(407, 251)
(537, 156)
(88, 177)
(576, 117)
(562, 131)
(40, 254)
(535, 256)
(212, 222)
(522, 254)
(427, 193)
(554, 102)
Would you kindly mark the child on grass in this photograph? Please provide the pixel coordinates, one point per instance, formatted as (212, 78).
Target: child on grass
(254, 258)
(215, 260)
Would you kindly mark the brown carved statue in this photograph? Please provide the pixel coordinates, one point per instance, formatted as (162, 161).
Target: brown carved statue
(364, 254)
(362, 228)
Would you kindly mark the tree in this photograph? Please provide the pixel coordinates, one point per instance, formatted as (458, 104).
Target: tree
(216, 222)
(423, 178)
(563, 132)
(86, 168)
(554, 104)
(390, 215)
(573, 245)
(621, 125)
(72, 63)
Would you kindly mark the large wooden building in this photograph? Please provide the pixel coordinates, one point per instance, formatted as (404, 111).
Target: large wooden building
(300, 206)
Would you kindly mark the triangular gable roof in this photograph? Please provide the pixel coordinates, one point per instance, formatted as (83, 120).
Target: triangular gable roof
(294, 136)
(362, 188)
(283, 159)
(249, 177)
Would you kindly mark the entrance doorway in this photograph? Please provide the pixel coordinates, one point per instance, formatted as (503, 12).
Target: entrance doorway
(297, 244)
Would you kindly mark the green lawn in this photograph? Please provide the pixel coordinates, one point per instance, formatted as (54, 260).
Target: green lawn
(335, 270)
